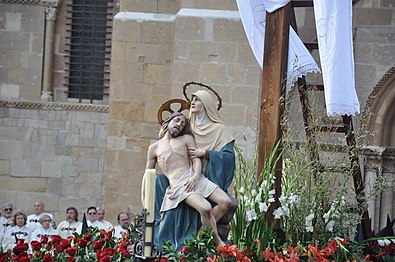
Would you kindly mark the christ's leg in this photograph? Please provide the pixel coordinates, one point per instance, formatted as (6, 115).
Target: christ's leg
(198, 202)
(223, 203)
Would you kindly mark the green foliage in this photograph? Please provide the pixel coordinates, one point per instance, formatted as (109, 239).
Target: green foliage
(196, 249)
(250, 226)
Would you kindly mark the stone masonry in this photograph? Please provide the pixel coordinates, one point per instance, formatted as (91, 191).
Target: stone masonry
(56, 156)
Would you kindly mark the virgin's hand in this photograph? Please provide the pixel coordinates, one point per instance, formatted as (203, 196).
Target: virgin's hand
(196, 152)
(191, 183)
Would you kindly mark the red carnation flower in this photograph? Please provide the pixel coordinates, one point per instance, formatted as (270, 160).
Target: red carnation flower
(162, 259)
(36, 246)
(4, 256)
(17, 250)
(71, 251)
(66, 243)
(184, 250)
(56, 240)
(98, 244)
(71, 259)
(49, 246)
(59, 249)
(48, 258)
(105, 259)
(24, 259)
(44, 239)
(82, 242)
(88, 236)
(107, 237)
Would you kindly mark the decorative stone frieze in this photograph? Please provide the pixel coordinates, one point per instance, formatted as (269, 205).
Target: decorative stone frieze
(50, 13)
(48, 3)
(55, 106)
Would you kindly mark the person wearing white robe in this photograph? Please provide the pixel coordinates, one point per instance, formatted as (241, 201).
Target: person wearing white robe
(123, 221)
(6, 219)
(70, 225)
(44, 230)
(103, 224)
(17, 232)
(33, 220)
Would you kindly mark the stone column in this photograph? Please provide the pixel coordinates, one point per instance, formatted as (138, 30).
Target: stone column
(50, 17)
(388, 196)
(379, 165)
(372, 170)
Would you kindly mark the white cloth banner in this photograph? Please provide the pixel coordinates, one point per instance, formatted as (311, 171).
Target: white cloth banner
(334, 30)
(253, 16)
(333, 23)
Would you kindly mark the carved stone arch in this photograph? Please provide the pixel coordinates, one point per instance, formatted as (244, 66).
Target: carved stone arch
(378, 115)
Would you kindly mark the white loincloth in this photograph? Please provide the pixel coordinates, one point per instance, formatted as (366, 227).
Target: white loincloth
(177, 193)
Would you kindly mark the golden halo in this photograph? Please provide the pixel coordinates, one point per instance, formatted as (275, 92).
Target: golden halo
(167, 106)
(184, 90)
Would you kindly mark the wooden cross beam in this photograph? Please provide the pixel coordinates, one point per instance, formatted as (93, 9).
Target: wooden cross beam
(273, 86)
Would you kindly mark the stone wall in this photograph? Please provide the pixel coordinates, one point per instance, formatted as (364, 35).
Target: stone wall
(21, 51)
(54, 153)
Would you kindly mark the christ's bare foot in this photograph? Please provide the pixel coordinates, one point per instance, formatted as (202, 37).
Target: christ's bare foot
(221, 244)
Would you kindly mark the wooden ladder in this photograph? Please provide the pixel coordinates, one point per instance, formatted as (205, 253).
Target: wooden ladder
(346, 128)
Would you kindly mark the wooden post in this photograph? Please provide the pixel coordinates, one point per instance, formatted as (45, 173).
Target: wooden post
(273, 85)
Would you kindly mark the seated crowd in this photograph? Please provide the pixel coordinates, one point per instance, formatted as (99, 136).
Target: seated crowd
(18, 225)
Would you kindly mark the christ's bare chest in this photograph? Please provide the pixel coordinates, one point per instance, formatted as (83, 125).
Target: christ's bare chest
(170, 150)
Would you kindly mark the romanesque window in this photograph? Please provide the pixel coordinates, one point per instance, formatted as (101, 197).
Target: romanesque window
(88, 49)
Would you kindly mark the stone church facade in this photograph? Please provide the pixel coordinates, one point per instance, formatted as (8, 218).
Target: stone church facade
(66, 148)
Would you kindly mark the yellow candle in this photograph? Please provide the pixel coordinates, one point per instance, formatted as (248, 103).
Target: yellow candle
(149, 205)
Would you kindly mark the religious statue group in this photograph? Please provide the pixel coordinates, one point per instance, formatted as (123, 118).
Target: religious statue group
(196, 158)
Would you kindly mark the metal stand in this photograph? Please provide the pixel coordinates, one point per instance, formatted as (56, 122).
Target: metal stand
(139, 247)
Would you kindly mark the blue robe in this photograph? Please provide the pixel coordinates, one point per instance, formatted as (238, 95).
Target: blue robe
(178, 224)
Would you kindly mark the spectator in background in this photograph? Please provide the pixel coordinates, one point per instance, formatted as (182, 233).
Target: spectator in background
(92, 217)
(45, 229)
(70, 225)
(6, 219)
(19, 231)
(2, 231)
(104, 224)
(33, 220)
(123, 221)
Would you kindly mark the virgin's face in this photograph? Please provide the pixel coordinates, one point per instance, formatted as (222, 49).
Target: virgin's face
(196, 105)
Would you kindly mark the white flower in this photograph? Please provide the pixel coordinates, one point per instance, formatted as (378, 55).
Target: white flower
(251, 215)
(293, 199)
(286, 210)
(310, 217)
(271, 192)
(253, 192)
(271, 200)
(309, 223)
(283, 198)
(383, 242)
(259, 196)
(278, 213)
(263, 207)
(310, 229)
(329, 226)
(245, 198)
(241, 190)
(326, 216)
